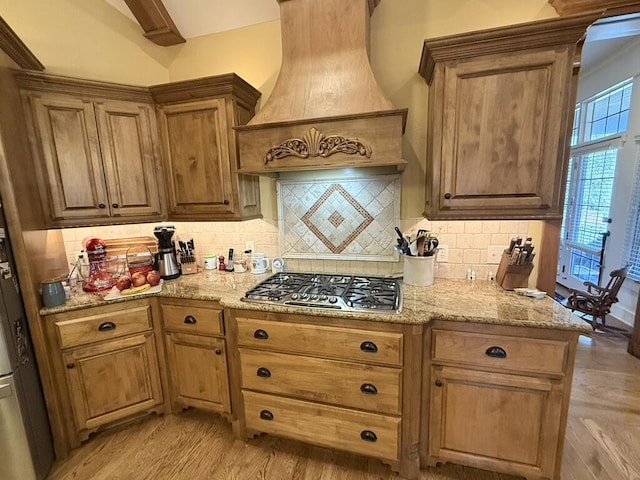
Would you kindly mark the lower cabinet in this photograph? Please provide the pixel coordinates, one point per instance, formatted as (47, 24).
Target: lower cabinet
(196, 355)
(497, 398)
(337, 383)
(107, 366)
(113, 380)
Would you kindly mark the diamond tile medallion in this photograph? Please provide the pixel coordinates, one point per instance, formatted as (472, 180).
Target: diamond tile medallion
(346, 219)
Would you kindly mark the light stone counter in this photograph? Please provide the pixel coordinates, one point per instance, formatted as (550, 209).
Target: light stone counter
(461, 300)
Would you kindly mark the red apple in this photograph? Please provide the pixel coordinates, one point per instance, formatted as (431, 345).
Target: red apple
(123, 283)
(153, 278)
(138, 279)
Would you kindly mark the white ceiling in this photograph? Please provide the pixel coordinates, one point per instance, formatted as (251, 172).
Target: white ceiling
(195, 18)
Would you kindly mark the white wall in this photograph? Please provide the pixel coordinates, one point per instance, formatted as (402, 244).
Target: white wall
(623, 65)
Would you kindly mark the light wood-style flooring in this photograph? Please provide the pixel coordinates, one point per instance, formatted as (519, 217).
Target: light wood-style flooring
(602, 441)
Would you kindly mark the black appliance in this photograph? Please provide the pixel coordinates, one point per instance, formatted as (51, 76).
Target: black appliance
(337, 292)
(166, 261)
(26, 444)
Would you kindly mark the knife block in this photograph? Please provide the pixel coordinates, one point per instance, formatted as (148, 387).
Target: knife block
(510, 277)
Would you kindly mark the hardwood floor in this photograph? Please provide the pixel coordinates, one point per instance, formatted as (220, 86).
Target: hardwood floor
(602, 441)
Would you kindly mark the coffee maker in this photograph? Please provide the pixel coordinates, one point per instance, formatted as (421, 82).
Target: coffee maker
(166, 262)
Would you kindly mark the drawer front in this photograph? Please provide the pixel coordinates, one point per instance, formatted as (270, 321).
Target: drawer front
(377, 389)
(336, 342)
(193, 319)
(370, 434)
(105, 326)
(499, 351)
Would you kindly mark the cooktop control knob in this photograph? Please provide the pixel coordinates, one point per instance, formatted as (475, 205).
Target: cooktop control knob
(333, 299)
(323, 298)
(304, 296)
(295, 296)
(314, 297)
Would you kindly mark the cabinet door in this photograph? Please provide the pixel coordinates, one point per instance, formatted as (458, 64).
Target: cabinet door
(502, 120)
(67, 138)
(112, 380)
(198, 369)
(505, 423)
(127, 144)
(196, 154)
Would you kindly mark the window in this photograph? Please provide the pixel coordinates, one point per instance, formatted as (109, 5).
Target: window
(632, 243)
(597, 128)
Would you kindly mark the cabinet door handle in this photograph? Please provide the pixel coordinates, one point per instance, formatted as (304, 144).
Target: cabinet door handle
(439, 383)
(71, 365)
(447, 196)
(368, 347)
(496, 352)
(368, 436)
(368, 389)
(218, 351)
(260, 334)
(266, 415)
(263, 372)
(106, 327)
(226, 202)
(102, 205)
(190, 320)
(115, 205)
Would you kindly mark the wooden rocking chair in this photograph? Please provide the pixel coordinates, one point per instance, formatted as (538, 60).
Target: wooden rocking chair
(596, 301)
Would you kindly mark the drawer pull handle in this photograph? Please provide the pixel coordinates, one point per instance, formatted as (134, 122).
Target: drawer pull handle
(438, 383)
(266, 415)
(368, 436)
(496, 352)
(263, 372)
(368, 347)
(106, 327)
(260, 334)
(190, 320)
(368, 389)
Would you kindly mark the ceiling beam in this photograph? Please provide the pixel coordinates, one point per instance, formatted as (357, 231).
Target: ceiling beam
(156, 22)
(615, 27)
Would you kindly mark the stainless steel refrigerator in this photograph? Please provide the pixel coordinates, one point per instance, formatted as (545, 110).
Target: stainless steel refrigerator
(26, 446)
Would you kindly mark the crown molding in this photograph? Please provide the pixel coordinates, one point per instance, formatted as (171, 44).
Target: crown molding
(11, 44)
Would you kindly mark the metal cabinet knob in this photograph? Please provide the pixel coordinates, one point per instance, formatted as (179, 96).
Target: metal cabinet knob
(218, 351)
(226, 202)
(447, 196)
(102, 205)
(439, 383)
(115, 205)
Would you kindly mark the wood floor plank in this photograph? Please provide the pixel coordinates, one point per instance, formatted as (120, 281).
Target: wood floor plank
(602, 439)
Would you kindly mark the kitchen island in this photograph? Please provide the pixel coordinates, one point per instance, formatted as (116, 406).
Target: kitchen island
(466, 372)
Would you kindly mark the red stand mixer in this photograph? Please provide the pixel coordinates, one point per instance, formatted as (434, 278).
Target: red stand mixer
(99, 278)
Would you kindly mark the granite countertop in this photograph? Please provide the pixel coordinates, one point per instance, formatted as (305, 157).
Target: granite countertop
(461, 300)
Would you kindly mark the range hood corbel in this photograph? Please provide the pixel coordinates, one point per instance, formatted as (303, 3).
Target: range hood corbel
(326, 110)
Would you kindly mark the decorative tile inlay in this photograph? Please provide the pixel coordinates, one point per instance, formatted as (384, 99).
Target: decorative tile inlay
(346, 219)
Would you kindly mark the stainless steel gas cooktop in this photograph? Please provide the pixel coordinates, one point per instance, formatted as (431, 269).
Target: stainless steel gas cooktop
(338, 292)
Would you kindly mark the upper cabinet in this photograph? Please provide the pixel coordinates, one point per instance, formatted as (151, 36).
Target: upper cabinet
(500, 109)
(200, 150)
(96, 145)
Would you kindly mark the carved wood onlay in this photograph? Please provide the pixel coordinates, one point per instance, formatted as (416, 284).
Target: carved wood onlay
(538, 34)
(314, 143)
(608, 8)
(11, 44)
(43, 82)
(156, 22)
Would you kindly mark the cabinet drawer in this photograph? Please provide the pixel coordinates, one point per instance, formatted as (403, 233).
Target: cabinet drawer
(365, 387)
(193, 319)
(342, 343)
(360, 432)
(500, 351)
(105, 326)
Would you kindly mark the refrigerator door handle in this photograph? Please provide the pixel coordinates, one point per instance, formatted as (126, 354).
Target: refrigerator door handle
(5, 391)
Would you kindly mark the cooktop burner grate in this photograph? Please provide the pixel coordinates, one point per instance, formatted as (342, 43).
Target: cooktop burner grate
(341, 292)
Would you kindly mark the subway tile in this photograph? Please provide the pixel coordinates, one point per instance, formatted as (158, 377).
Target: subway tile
(508, 226)
(472, 227)
(465, 240)
(500, 239)
(456, 255)
(471, 256)
(491, 226)
(481, 240)
(448, 239)
(455, 227)
(523, 226)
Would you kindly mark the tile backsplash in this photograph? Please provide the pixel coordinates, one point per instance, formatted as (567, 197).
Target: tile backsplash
(467, 242)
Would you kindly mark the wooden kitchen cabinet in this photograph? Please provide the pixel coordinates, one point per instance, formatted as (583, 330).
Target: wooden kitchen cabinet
(499, 116)
(98, 149)
(497, 398)
(353, 387)
(107, 365)
(196, 355)
(200, 150)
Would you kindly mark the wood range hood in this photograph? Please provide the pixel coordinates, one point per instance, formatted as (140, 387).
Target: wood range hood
(326, 110)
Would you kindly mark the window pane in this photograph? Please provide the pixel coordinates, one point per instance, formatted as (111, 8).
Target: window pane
(607, 113)
(585, 266)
